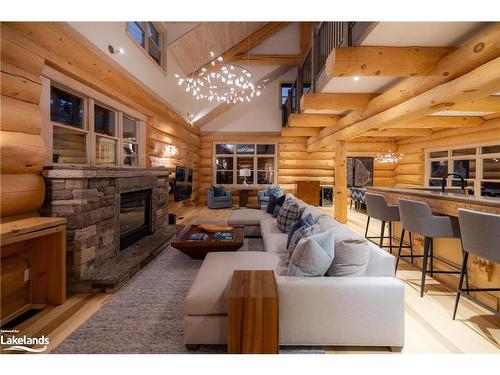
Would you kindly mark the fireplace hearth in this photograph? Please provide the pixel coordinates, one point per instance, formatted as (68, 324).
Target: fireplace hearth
(109, 210)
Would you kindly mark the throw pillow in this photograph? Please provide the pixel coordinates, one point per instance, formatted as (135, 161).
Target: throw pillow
(351, 258)
(300, 233)
(271, 204)
(281, 200)
(287, 215)
(276, 211)
(302, 222)
(312, 256)
(219, 191)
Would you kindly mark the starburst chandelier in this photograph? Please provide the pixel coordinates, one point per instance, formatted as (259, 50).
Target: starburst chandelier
(388, 157)
(222, 82)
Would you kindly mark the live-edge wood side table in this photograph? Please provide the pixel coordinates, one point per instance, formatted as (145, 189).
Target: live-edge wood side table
(253, 313)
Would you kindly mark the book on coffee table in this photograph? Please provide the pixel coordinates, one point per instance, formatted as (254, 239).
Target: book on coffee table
(224, 236)
(195, 237)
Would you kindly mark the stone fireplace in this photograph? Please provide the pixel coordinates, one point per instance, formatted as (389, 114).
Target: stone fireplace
(117, 221)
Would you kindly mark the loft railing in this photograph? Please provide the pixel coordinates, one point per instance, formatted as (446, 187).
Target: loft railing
(327, 36)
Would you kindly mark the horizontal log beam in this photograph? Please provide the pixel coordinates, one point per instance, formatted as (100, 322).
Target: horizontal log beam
(269, 59)
(312, 120)
(383, 61)
(488, 104)
(432, 122)
(299, 132)
(478, 83)
(334, 101)
(398, 133)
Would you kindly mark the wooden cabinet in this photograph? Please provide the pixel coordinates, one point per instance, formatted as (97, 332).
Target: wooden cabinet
(33, 264)
(309, 192)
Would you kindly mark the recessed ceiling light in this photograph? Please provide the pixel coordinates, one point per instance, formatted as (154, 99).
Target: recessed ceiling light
(356, 78)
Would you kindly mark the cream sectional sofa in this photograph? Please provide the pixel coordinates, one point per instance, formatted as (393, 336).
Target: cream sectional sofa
(342, 311)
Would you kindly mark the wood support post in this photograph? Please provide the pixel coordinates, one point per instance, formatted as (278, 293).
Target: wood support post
(340, 200)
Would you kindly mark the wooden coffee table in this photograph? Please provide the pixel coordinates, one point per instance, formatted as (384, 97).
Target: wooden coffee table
(199, 249)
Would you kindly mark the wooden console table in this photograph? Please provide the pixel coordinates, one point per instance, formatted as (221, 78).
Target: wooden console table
(33, 264)
(253, 313)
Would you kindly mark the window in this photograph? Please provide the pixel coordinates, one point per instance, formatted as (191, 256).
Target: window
(149, 36)
(87, 132)
(70, 134)
(284, 89)
(478, 165)
(231, 159)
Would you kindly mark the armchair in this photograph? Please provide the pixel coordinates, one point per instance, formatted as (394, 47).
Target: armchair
(265, 194)
(221, 201)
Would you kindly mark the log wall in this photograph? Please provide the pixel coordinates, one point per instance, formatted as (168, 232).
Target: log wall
(294, 162)
(22, 149)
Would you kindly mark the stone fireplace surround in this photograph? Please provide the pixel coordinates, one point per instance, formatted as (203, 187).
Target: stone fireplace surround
(89, 197)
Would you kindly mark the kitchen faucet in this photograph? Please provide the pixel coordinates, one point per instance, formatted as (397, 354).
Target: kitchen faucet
(462, 181)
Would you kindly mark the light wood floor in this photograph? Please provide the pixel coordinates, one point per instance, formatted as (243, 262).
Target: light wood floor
(429, 327)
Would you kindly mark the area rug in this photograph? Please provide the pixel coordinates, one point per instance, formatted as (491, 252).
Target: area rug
(146, 315)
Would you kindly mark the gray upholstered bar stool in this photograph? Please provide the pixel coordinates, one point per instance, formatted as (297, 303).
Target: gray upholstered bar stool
(417, 217)
(378, 208)
(481, 237)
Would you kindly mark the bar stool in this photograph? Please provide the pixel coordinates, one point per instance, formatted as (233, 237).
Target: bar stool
(377, 207)
(481, 237)
(417, 217)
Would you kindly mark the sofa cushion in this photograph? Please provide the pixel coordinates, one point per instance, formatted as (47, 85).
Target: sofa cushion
(312, 255)
(221, 198)
(269, 224)
(246, 216)
(287, 215)
(351, 258)
(219, 191)
(300, 233)
(271, 203)
(301, 222)
(274, 242)
(276, 211)
(208, 293)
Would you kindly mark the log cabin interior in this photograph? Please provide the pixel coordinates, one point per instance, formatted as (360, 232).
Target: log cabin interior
(326, 187)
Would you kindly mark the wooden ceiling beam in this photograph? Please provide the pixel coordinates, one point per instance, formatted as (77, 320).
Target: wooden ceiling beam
(383, 61)
(432, 122)
(480, 82)
(305, 36)
(398, 133)
(479, 50)
(488, 104)
(333, 101)
(312, 120)
(269, 59)
(253, 40)
(299, 132)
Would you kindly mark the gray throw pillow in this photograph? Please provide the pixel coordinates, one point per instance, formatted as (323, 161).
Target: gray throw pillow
(351, 258)
(302, 232)
(312, 256)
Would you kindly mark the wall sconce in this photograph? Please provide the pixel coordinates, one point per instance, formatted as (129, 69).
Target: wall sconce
(171, 150)
(115, 51)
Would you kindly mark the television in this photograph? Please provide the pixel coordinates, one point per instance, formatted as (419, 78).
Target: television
(183, 187)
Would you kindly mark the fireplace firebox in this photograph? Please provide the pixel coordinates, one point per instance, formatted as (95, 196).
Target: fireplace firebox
(135, 217)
